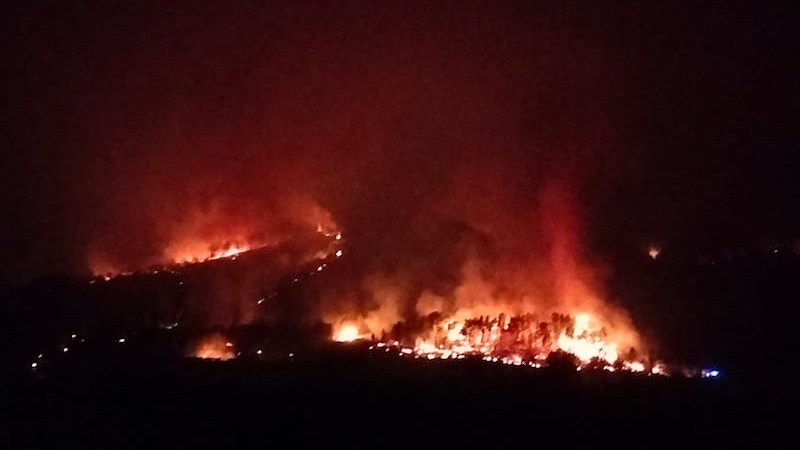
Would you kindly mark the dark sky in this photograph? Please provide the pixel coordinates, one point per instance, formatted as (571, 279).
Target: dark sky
(121, 119)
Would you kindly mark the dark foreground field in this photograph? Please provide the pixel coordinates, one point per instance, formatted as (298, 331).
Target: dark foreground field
(362, 399)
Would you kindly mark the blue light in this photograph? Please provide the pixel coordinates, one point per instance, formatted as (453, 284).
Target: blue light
(709, 373)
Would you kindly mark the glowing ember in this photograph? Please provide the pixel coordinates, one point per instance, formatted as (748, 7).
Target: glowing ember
(347, 333)
(654, 251)
(214, 347)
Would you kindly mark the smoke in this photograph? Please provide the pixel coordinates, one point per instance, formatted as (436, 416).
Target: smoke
(455, 148)
(201, 228)
(532, 261)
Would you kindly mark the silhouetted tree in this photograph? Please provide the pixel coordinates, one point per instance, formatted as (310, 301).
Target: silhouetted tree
(562, 361)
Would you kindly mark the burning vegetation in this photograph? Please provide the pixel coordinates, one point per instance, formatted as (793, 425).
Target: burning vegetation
(209, 230)
(517, 340)
(215, 346)
(453, 291)
(514, 295)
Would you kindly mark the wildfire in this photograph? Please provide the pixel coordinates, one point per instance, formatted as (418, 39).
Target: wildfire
(347, 333)
(516, 340)
(214, 347)
(192, 251)
(200, 253)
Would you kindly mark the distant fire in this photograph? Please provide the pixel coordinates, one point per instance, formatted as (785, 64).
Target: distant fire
(216, 347)
(195, 231)
(203, 252)
(527, 300)
(197, 251)
(347, 333)
(520, 340)
(185, 252)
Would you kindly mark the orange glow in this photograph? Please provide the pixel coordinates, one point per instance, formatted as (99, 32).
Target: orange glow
(190, 252)
(634, 366)
(654, 251)
(659, 369)
(214, 346)
(216, 230)
(347, 333)
(493, 337)
(527, 297)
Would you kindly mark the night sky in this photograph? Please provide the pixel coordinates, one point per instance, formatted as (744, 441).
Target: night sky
(670, 124)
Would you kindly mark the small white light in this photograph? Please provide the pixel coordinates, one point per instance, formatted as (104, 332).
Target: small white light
(73, 335)
(258, 352)
(66, 349)
(338, 253)
(291, 355)
(34, 365)
(319, 269)
(121, 340)
(40, 356)
(339, 236)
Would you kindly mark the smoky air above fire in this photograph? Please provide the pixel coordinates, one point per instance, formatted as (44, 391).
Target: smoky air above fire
(168, 130)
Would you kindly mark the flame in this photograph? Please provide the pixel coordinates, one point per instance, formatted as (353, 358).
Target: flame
(192, 252)
(216, 229)
(347, 333)
(515, 340)
(515, 295)
(215, 346)
(586, 349)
